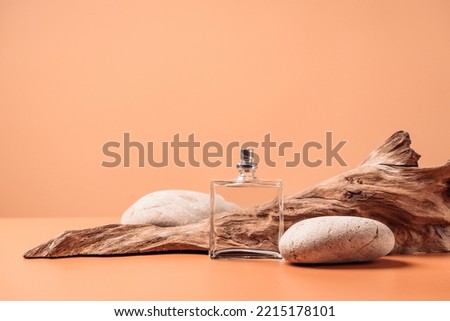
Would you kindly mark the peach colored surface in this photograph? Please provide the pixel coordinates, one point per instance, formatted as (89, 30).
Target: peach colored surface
(77, 74)
(196, 277)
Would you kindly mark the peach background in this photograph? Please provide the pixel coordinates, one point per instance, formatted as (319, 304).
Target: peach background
(76, 74)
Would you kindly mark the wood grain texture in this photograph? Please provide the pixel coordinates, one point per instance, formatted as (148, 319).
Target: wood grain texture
(388, 186)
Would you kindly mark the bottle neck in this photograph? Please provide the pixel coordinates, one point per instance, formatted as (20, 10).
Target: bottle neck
(246, 175)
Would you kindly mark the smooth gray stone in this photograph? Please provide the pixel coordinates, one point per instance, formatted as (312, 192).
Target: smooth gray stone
(336, 239)
(173, 208)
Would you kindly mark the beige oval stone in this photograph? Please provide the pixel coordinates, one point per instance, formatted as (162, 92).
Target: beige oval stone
(172, 208)
(336, 239)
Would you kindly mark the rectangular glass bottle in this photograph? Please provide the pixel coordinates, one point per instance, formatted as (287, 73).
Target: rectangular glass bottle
(253, 229)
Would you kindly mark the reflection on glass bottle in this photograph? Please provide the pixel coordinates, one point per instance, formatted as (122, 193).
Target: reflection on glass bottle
(262, 199)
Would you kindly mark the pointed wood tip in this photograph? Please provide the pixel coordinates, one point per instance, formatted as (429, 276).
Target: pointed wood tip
(395, 151)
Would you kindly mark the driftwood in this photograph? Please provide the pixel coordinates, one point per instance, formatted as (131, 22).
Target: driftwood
(388, 187)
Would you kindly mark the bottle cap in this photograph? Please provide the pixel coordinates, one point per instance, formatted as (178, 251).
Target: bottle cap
(247, 159)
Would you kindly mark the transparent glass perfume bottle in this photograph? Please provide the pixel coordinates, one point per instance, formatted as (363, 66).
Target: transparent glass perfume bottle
(252, 230)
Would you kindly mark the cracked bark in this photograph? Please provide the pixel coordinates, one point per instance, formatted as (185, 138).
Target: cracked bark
(388, 186)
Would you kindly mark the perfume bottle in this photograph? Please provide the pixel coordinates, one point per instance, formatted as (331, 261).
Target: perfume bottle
(254, 228)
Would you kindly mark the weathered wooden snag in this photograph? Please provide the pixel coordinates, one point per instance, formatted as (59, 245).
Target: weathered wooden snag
(388, 187)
